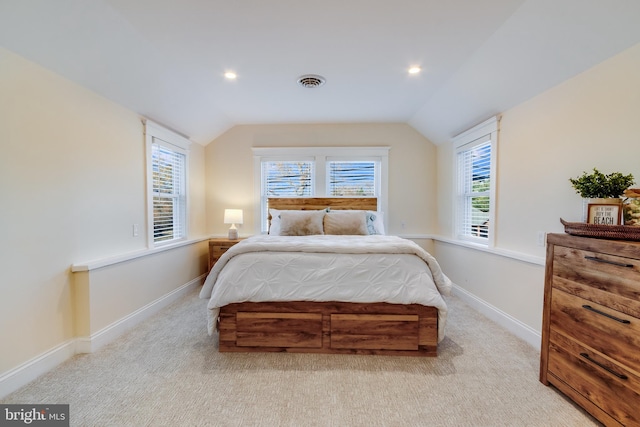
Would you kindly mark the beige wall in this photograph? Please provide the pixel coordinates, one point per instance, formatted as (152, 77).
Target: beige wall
(412, 171)
(72, 177)
(588, 121)
(108, 294)
(72, 172)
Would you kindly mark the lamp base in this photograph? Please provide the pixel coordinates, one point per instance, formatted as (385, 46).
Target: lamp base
(233, 234)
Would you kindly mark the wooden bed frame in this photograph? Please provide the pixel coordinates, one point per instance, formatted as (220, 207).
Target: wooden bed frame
(328, 327)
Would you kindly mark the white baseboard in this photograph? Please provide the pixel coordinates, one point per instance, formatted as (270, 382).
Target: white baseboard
(106, 335)
(20, 376)
(510, 323)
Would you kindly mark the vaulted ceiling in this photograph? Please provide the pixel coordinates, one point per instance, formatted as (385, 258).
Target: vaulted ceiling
(166, 59)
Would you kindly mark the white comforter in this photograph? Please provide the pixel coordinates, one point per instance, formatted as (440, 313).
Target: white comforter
(327, 268)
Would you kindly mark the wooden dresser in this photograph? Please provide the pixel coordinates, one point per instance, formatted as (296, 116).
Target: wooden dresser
(591, 325)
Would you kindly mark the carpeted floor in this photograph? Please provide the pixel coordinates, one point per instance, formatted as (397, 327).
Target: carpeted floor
(167, 372)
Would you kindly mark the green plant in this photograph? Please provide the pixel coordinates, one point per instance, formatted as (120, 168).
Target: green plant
(597, 185)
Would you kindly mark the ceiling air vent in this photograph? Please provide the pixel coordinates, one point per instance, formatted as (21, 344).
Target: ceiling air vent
(311, 80)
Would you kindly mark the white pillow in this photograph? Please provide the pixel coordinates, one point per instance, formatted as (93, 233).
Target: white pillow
(375, 222)
(274, 226)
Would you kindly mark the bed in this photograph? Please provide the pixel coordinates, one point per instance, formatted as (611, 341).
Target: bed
(319, 293)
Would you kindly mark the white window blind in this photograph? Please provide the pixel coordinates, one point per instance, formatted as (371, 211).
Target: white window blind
(169, 192)
(352, 178)
(474, 186)
(167, 155)
(475, 169)
(287, 178)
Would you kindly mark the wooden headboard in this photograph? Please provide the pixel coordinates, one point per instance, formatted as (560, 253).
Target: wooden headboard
(314, 203)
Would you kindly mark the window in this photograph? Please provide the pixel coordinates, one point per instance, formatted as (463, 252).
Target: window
(167, 155)
(287, 178)
(169, 199)
(284, 178)
(320, 172)
(352, 178)
(475, 176)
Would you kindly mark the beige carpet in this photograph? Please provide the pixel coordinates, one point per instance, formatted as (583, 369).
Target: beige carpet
(167, 372)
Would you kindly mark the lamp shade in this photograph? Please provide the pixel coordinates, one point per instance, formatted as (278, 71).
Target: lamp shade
(233, 216)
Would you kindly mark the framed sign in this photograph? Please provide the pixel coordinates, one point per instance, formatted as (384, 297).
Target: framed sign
(604, 214)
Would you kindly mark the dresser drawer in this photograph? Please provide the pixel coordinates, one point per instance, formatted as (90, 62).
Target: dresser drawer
(221, 248)
(612, 333)
(608, 280)
(609, 386)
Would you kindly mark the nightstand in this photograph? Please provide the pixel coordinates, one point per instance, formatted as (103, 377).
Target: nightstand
(217, 247)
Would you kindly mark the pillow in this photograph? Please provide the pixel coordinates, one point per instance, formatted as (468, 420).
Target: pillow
(345, 222)
(301, 223)
(274, 225)
(375, 222)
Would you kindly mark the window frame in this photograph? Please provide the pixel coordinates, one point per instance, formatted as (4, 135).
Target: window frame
(157, 134)
(321, 156)
(484, 132)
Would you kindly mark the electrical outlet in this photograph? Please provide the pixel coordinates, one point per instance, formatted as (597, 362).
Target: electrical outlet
(135, 230)
(542, 238)
(402, 225)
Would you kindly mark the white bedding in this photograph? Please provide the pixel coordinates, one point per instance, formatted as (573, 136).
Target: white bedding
(327, 268)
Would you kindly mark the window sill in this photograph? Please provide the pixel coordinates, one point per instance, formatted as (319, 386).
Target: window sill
(105, 262)
(531, 259)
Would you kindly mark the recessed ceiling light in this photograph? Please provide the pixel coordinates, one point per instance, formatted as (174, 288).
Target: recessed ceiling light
(230, 75)
(415, 70)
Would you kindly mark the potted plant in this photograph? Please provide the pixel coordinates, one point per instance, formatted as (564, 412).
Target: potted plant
(597, 185)
(598, 188)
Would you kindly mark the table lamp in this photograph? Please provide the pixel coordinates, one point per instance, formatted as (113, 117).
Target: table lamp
(233, 217)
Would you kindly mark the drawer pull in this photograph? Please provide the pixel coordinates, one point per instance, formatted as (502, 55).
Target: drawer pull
(606, 261)
(611, 371)
(602, 313)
